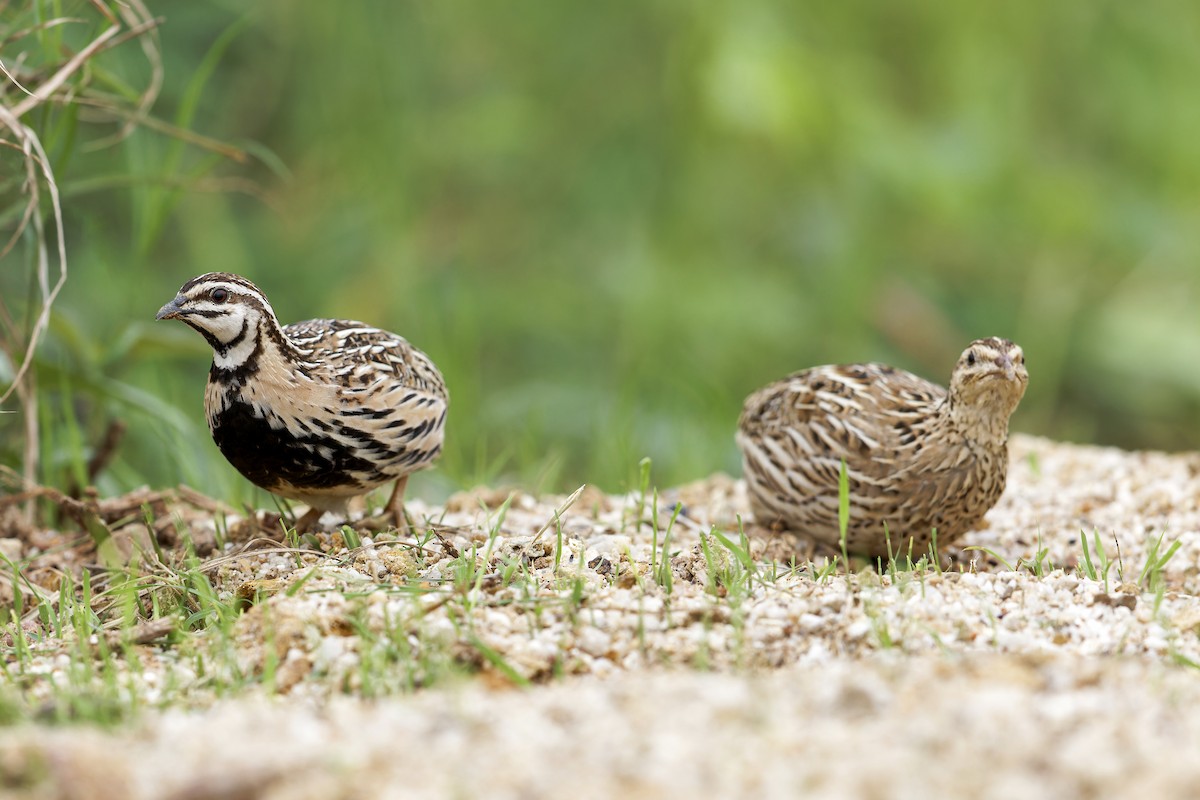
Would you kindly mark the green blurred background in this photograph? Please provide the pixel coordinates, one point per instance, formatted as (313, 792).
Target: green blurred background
(609, 222)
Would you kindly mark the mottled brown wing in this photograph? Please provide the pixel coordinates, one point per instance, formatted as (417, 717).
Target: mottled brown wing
(366, 354)
(393, 399)
(861, 413)
(794, 435)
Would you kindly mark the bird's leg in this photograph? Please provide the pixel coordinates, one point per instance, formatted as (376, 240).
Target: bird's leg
(308, 522)
(395, 505)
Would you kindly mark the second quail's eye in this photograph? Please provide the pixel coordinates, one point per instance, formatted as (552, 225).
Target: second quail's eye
(219, 295)
(971, 358)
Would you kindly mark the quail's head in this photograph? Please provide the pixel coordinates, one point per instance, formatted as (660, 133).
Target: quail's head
(226, 309)
(989, 378)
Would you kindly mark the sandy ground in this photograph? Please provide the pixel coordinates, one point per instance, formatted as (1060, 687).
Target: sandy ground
(980, 682)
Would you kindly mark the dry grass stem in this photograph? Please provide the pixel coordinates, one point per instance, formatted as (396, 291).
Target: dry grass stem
(64, 85)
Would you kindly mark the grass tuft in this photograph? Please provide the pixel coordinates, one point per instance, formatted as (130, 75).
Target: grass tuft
(843, 511)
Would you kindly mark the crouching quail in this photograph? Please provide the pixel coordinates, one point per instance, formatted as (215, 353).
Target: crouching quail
(319, 411)
(919, 458)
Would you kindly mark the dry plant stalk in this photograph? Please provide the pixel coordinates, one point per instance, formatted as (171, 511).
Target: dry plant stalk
(25, 87)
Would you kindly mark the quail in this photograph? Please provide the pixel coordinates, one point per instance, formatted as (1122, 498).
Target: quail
(320, 411)
(918, 458)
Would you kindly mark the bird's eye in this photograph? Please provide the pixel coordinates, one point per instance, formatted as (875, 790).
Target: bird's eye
(971, 358)
(219, 295)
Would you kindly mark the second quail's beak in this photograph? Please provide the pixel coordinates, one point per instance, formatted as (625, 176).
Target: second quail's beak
(1007, 367)
(171, 310)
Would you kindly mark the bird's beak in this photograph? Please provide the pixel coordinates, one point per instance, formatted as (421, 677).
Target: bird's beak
(171, 310)
(1006, 366)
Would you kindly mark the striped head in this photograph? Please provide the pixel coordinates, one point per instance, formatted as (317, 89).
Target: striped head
(230, 312)
(987, 384)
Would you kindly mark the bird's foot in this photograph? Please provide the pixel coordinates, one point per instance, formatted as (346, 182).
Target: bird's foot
(386, 520)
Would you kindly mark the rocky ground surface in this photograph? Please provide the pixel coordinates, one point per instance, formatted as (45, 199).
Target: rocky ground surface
(551, 649)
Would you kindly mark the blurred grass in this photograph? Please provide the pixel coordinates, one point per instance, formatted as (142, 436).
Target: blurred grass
(608, 223)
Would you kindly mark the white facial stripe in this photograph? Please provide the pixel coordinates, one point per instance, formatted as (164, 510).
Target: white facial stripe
(227, 324)
(237, 355)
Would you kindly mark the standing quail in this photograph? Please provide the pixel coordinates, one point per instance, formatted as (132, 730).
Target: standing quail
(319, 411)
(919, 458)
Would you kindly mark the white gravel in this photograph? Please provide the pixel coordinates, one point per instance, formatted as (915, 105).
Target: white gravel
(979, 681)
